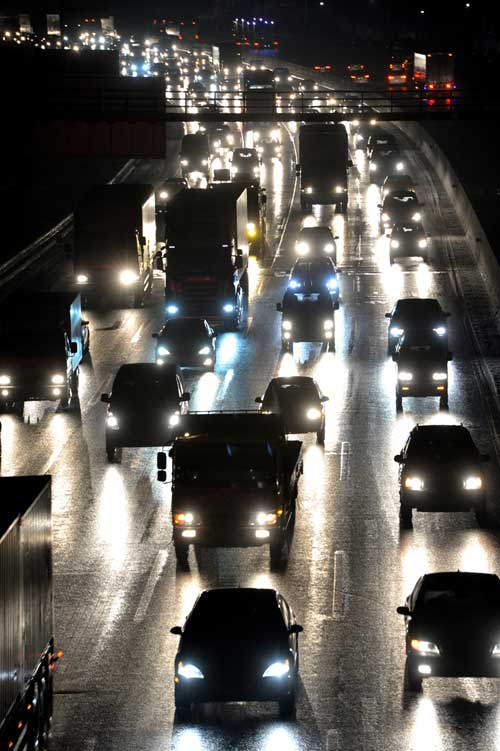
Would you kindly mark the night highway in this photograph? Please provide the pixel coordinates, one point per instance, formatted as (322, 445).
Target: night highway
(117, 587)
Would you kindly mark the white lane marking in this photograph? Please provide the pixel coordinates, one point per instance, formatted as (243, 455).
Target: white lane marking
(53, 457)
(345, 455)
(137, 334)
(332, 740)
(339, 568)
(225, 383)
(154, 575)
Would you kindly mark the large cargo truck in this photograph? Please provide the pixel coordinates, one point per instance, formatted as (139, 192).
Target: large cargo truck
(27, 654)
(115, 244)
(43, 340)
(207, 254)
(434, 71)
(323, 166)
(235, 480)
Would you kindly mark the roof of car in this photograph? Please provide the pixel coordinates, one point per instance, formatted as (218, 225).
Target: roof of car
(293, 380)
(416, 303)
(440, 432)
(321, 228)
(240, 603)
(465, 580)
(312, 264)
(145, 370)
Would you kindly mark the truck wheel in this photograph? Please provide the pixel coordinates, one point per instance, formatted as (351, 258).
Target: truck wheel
(405, 516)
(114, 454)
(181, 553)
(320, 436)
(279, 552)
(287, 706)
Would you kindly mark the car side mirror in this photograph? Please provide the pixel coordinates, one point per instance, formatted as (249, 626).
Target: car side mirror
(185, 397)
(398, 458)
(297, 170)
(387, 315)
(379, 205)
(161, 460)
(295, 629)
(73, 348)
(176, 631)
(336, 237)
(485, 457)
(449, 356)
(324, 399)
(105, 398)
(84, 323)
(155, 336)
(279, 307)
(258, 400)
(349, 163)
(403, 610)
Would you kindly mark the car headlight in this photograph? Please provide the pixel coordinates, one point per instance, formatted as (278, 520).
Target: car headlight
(256, 170)
(302, 248)
(286, 325)
(277, 669)
(309, 190)
(424, 647)
(172, 309)
(204, 162)
(228, 307)
(263, 518)
(355, 123)
(184, 517)
(495, 652)
(417, 216)
(58, 379)
(405, 376)
(414, 483)
(399, 166)
(234, 170)
(329, 248)
(373, 166)
(439, 376)
(313, 413)
(385, 217)
(5, 380)
(396, 331)
(440, 330)
(184, 162)
(422, 243)
(112, 421)
(163, 351)
(473, 483)
(251, 229)
(204, 351)
(332, 284)
(328, 324)
(128, 277)
(163, 195)
(294, 284)
(82, 278)
(174, 420)
(339, 189)
(394, 243)
(189, 671)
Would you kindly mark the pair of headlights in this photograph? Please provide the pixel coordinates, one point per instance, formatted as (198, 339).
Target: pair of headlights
(275, 670)
(417, 483)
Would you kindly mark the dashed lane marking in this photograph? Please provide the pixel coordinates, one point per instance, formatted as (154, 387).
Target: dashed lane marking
(154, 575)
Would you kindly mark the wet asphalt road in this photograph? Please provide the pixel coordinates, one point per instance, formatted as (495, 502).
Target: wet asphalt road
(117, 587)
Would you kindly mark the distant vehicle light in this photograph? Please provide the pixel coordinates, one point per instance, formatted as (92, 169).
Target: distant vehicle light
(332, 283)
(405, 376)
(339, 189)
(172, 310)
(309, 190)
(294, 284)
(263, 518)
(112, 421)
(189, 671)
(385, 217)
(184, 162)
(440, 330)
(5, 380)
(422, 243)
(128, 277)
(286, 325)
(313, 413)
(163, 195)
(329, 248)
(277, 670)
(228, 308)
(417, 216)
(302, 248)
(251, 230)
(394, 243)
(414, 483)
(439, 376)
(163, 351)
(473, 483)
(58, 379)
(400, 166)
(173, 420)
(82, 278)
(396, 331)
(328, 324)
(204, 351)
(373, 167)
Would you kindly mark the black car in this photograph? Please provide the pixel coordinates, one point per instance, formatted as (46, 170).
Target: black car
(307, 318)
(416, 314)
(408, 241)
(187, 342)
(315, 275)
(440, 469)
(317, 242)
(144, 408)
(237, 644)
(385, 160)
(452, 627)
(245, 165)
(299, 401)
(393, 183)
(400, 207)
(422, 367)
(379, 139)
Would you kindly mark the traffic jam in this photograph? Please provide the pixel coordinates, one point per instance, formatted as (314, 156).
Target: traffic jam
(267, 433)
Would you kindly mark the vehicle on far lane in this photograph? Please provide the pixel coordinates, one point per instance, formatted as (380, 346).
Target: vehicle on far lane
(416, 314)
(245, 165)
(440, 469)
(299, 401)
(187, 342)
(452, 622)
(358, 74)
(237, 644)
(145, 407)
(384, 161)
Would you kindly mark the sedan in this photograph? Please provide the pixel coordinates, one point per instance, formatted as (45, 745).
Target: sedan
(416, 314)
(317, 241)
(315, 275)
(408, 241)
(299, 401)
(440, 469)
(452, 624)
(188, 342)
(400, 207)
(393, 183)
(237, 644)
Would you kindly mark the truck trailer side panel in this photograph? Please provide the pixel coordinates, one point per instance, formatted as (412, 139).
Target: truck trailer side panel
(11, 644)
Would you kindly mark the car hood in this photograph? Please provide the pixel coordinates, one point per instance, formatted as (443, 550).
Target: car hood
(254, 653)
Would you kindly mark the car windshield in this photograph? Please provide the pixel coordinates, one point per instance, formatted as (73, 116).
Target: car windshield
(451, 444)
(316, 235)
(184, 329)
(465, 590)
(225, 464)
(400, 199)
(144, 388)
(293, 393)
(233, 613)
(418, 308)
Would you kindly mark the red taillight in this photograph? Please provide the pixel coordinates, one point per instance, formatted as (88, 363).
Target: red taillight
(431, 86)
(449, 85)
(390, 78)
(366, 75)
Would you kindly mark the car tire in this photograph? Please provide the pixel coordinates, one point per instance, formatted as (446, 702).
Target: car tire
(413, 681)
(399, 403)
(481, 513)
(287, 706)
(183, 711)
(285, 346)
(405, 516)
(320, 436)
(279, 553)
(443, 402)
(181, 553)
(114, 454)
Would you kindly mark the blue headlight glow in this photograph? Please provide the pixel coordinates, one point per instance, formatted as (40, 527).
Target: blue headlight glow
(228, 308)
(172, 309)
(294, 284)
(332, 284)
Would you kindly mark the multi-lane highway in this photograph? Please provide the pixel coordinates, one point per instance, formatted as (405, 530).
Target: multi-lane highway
(117, 587)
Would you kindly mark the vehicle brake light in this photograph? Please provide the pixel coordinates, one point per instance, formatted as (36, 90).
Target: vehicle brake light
(367, 75)
(449, 85)
(390, 78)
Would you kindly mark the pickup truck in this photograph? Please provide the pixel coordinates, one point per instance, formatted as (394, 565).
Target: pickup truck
(235, 479)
